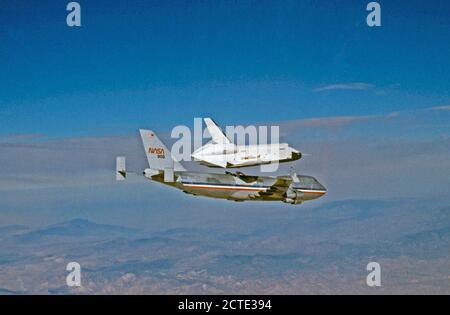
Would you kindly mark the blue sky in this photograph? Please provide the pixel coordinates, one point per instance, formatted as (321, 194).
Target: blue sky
(160, 63)
(370, 105)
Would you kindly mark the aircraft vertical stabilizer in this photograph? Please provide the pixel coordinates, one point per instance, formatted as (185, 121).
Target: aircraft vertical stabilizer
(158, 156)
(216, 133)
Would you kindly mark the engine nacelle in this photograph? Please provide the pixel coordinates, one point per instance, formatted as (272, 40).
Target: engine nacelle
(292, 197)
(292, 201)
(291, 194)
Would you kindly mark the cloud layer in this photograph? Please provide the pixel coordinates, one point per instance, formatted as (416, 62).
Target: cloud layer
(345, 86)
(397, 155)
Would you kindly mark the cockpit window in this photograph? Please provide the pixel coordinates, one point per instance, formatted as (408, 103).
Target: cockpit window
(308, 182)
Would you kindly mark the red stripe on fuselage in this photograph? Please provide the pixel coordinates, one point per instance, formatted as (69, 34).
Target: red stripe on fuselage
(218, 187)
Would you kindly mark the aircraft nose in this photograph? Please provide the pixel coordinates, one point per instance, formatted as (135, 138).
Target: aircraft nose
(296, 155)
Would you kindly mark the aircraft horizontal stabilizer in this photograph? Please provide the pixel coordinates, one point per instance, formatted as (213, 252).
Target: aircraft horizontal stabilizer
(121, 173)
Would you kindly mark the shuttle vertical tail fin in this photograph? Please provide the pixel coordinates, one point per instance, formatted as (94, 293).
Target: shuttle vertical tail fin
(216, 134)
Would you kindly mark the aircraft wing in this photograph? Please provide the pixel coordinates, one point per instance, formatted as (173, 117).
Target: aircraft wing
(215, 161)
(279, 187)
(215, 132)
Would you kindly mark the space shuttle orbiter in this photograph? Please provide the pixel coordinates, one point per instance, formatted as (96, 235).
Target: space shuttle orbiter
(221, 152)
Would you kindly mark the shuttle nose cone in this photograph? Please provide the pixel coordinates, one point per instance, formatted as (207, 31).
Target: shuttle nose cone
(296, 156)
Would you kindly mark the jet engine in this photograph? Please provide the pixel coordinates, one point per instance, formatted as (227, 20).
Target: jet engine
(292, 197)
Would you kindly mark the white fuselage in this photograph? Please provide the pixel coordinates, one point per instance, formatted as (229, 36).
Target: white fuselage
(231, 155)
(240, 187)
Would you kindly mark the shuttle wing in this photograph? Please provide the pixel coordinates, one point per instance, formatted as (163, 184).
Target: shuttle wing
(215, 161)
(215, 132)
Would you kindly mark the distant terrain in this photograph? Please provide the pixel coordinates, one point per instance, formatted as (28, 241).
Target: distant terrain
(318, 250)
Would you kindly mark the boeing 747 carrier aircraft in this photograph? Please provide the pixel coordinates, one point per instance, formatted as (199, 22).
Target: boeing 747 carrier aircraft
(292, 189)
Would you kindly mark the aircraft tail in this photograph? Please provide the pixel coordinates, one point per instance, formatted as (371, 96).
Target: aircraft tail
(215, 132)
(158, 156)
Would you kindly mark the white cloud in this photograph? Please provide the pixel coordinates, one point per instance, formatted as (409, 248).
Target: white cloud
(14, 138)
(447, 107)
(326, 122)
(345, 86)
